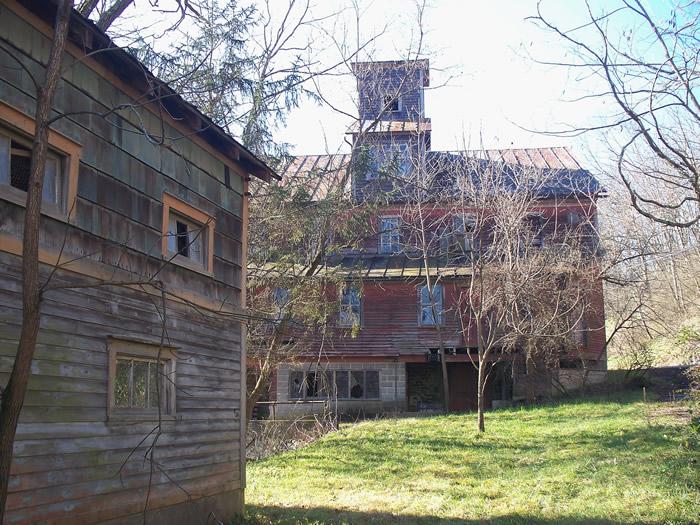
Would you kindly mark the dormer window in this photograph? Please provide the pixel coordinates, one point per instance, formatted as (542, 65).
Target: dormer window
(392, 103)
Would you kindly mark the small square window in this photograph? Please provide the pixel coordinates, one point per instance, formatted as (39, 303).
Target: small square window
(188, 235)
(186, 238)
(141, 380)
(392, 103)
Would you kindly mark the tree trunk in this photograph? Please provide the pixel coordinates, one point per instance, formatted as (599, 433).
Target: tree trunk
(255, 395)
(445, 380)
(13, 395)
(480, 389)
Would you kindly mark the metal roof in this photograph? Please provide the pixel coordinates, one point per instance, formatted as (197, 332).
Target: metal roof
(384, 267)
(319, 174)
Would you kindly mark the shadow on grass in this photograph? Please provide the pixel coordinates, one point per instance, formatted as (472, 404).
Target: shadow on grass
(264, 515)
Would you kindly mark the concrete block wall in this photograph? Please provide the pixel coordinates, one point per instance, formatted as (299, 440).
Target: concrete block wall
(392, 389)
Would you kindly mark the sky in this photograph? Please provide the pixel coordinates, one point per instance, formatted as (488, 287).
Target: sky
(487, 87)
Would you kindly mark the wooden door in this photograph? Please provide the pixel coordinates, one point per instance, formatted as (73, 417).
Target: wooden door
(462, 378)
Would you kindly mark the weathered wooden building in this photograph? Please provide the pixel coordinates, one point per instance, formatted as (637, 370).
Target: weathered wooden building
(143, 243)
(385, 353)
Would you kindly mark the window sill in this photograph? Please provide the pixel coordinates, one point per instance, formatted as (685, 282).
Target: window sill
(184, 262)
(19, 198)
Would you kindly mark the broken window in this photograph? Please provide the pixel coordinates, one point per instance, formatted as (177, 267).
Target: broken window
(340, 384)
(186, 238)
(296, 384)
(350, 307)
(15, 161)
(357, 385)
(392, 103)
(462, 239)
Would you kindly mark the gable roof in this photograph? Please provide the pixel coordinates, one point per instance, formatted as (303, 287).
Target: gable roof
(94, 42)
(318, 174)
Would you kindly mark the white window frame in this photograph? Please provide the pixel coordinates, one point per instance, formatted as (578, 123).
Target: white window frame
(389, 99)
(423, 305)
(350, 313)
(389, 239)
(137, 350)
(382, 152)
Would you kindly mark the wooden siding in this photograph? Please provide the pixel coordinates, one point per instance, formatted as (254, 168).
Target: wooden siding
(68, 453)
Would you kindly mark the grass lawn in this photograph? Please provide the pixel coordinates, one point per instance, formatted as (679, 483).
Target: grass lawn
(599, 462)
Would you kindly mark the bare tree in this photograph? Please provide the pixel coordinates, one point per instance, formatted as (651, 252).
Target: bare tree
(646, 64)
(532, 273)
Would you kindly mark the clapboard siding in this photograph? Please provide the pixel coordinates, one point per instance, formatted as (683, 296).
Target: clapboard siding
(68, 451)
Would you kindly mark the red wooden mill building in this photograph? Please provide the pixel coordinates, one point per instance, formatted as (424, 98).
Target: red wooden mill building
(390, 361)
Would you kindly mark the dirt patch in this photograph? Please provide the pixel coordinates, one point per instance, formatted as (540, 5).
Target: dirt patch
(675, 413)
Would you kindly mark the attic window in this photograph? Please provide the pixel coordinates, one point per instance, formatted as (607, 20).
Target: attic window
(392, 103)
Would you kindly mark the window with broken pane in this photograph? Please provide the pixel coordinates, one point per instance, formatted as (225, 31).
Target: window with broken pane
(350, 307)
(15, 161)
(186, 238)
(140, 384)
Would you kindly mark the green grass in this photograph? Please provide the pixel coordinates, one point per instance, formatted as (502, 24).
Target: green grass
(599, 462)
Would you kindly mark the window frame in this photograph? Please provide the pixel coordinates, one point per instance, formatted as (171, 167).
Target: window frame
(343, 290)
(137, 349)
(464, 236)
(390, 99)
(383, 154)
(194, 215)
(382, 232)
(17, 125)
(332, 389)
(439, 307)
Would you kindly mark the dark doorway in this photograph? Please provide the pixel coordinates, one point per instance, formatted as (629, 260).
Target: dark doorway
(424, 387)
(462, 378)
